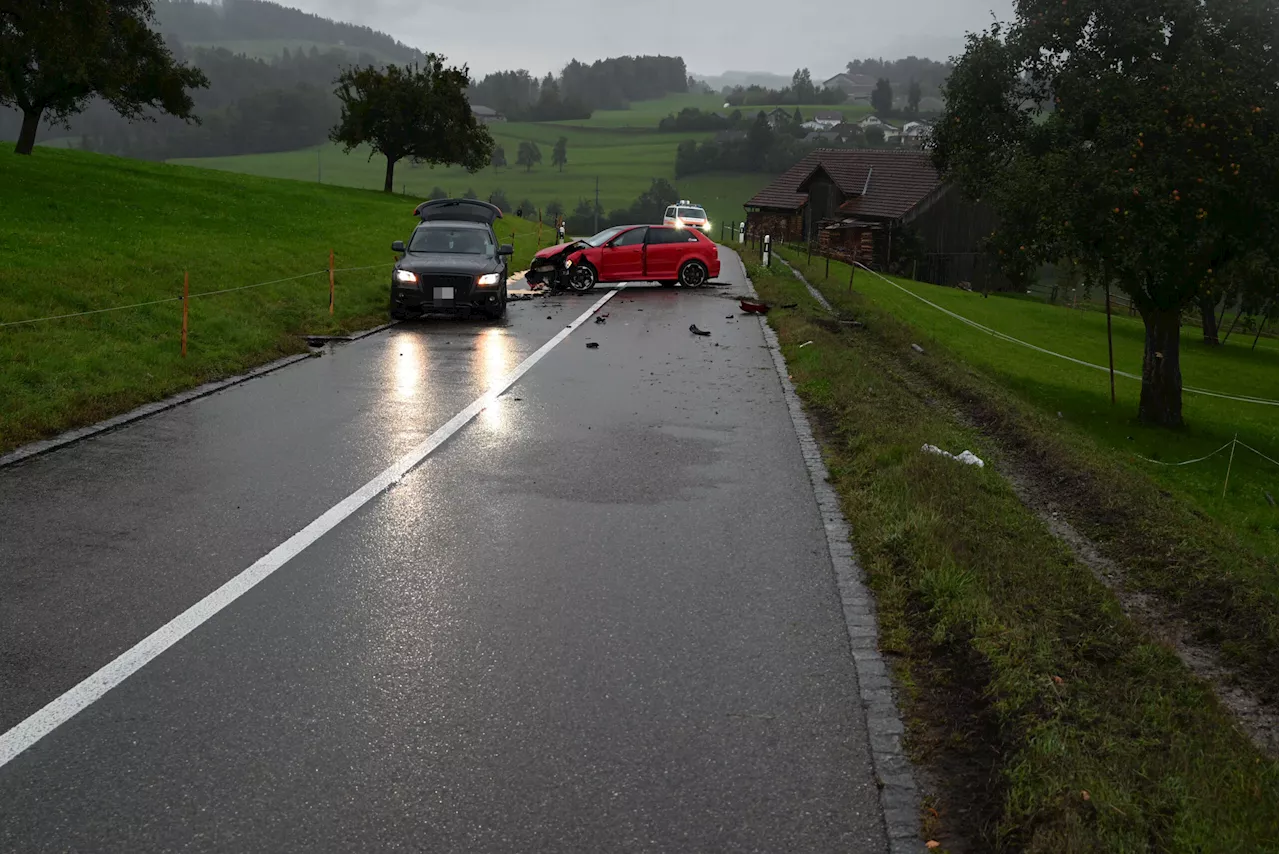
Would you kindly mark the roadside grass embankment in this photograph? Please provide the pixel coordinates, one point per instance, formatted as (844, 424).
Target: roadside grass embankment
(84, 232)
(1209, 560)
(1053, 385)
(1046, 719)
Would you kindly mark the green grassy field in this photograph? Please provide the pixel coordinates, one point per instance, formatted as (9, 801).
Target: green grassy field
(85, 232)
(625, 162)
(1082, 395)
(1050, 721)
(621, 148)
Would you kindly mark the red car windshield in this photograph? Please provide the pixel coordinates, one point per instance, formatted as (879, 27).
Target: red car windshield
(603, 237)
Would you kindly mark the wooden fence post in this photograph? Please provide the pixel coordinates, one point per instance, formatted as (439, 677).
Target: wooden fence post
(186, 297)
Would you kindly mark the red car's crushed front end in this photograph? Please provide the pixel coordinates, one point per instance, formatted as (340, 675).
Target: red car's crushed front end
(547, 263)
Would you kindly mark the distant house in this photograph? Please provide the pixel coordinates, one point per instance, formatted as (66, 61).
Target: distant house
(823, 120)
(915, 133)
(858, 87)
(883, 208)
(778, 117)
(874, 121)
(486, 115)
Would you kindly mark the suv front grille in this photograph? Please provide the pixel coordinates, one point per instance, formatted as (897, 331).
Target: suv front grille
(460, 284)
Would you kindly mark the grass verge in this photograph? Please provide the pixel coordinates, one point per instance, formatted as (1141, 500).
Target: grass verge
(1211, 559)
(85, 232)
(1052, 723)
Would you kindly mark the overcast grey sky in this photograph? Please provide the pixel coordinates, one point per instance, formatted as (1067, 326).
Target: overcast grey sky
(713, 36)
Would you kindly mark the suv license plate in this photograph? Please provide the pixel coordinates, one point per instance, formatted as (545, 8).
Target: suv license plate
(444, 293)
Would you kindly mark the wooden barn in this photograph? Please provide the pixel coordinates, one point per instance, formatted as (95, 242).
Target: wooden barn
(888, 209)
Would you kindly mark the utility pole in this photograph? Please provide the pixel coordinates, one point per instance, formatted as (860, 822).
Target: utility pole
(595, 211)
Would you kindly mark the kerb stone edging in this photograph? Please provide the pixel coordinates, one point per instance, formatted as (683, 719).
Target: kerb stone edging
(899, 796)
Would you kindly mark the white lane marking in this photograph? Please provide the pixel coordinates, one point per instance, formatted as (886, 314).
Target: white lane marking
(80, 697)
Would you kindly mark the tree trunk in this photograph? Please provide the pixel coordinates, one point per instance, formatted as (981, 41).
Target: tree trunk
(1161, 400)
(27, 136)
(388, 185)
(1209, 319)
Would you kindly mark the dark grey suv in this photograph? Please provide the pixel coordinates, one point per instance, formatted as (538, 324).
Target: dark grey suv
(453, 263)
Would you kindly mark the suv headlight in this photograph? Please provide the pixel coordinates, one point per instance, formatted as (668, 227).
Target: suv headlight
(568, 262)
(488, 279)
(406, 277)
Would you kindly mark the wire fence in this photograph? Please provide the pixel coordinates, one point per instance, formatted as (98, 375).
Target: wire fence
(549, 231)
(1232, 445)
(182, 297)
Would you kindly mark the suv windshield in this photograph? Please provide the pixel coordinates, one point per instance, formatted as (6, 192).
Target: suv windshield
(601, 238)
(692, 213)
(457, 241)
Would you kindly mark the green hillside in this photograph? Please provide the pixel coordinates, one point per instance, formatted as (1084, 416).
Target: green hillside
(625, 159)
(86, 232)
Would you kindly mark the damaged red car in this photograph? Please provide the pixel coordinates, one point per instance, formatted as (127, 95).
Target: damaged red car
(668, 255)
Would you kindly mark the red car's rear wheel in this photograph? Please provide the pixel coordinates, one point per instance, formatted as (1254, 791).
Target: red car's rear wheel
(693, 274)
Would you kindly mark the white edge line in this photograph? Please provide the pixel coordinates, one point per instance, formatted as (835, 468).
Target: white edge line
(82, 695)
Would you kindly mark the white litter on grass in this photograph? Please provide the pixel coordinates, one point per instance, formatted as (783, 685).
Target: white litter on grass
(805, 344)
(966, 457)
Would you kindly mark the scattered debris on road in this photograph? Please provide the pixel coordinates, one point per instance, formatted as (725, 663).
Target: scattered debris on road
(592, 345)
(791, 305)
(966, 457)
(600, 319)
(693, 327)
(753, 307)
(805, 344)
(918, 349)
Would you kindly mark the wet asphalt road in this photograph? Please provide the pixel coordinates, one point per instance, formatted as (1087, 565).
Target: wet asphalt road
(600, 617)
